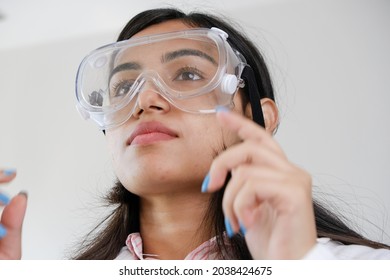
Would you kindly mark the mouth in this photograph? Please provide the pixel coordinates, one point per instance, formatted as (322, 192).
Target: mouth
(150, 132)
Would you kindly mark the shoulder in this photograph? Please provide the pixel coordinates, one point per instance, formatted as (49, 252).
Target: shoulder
(327, 249)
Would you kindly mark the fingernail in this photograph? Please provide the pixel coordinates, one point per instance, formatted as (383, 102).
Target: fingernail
(9, 172)
(23, 193)
(242, 229)
(221, 109)
(205, 183)
(228, 227)
(4, 199)
(3, 231)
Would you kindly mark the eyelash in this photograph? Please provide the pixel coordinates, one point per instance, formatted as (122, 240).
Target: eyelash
(118, 84)
(189, 69)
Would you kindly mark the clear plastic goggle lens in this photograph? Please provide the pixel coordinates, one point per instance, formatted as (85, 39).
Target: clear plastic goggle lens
(195, 70)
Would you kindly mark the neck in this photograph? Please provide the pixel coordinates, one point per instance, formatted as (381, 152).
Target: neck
(171, 223)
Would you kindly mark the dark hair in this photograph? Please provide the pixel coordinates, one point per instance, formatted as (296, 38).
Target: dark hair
(124, 219)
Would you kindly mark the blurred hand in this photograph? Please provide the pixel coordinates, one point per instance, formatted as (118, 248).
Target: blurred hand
(11, 220)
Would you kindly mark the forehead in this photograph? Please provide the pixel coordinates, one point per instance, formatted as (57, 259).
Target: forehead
(151, 50)
(168, 26)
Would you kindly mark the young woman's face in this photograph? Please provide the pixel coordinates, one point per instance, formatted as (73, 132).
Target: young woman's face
(160, 148)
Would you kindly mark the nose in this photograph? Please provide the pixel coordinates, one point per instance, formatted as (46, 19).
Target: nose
(149, 99)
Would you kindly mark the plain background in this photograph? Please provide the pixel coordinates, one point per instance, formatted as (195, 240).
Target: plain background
(330, 62)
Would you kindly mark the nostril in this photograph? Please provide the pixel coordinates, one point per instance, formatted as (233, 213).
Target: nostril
(150, 100)
(156, 108)
(137, 112)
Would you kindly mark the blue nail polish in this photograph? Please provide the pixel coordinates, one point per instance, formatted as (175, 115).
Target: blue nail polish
(205, 183)
(3, 231)
(229, 229)
(9, 172)
(242, 229)
(221, 109)
(4, 199)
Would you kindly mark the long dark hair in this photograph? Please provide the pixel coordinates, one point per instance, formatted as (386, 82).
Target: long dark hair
(107, 239)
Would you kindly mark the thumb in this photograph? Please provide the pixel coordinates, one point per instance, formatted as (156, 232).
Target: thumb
(12, 220)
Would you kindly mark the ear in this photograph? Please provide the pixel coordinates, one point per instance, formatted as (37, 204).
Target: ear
(270, 112)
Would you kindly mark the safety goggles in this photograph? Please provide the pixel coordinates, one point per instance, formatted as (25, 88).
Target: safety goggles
(196, 70)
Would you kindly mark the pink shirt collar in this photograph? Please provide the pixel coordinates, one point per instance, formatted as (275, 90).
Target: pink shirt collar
(134, 250)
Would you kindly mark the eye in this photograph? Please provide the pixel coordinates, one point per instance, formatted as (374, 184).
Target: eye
(121, 88)
(188, 74)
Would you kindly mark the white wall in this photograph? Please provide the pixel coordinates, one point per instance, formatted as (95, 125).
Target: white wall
(331, 65)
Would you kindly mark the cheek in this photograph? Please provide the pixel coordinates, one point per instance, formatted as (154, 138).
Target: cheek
(114, 147)
(207, 140)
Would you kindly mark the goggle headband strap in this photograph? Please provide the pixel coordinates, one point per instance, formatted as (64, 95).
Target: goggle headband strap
(254, 95)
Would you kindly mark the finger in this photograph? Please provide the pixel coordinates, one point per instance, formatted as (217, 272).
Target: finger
(285, 198)
(267, 209)
(252, 197)
(235, 186)
(13, 214)
(12, 220)
(247, 129)
(243, 154)
(7, 175)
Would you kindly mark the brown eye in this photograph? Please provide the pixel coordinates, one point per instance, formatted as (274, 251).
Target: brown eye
(122, 88)
(188, 74)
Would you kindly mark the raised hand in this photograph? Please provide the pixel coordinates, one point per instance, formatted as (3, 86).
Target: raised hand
(267, 197)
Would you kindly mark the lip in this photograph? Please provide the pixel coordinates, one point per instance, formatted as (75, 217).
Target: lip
(150, 132)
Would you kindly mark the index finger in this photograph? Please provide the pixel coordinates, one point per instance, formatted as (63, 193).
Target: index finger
(246, 128)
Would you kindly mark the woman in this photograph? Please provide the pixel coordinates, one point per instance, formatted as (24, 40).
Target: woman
(193, 184)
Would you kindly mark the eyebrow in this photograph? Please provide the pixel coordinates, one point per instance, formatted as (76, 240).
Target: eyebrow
(123, 67)
(185, 52)
(165, 58)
